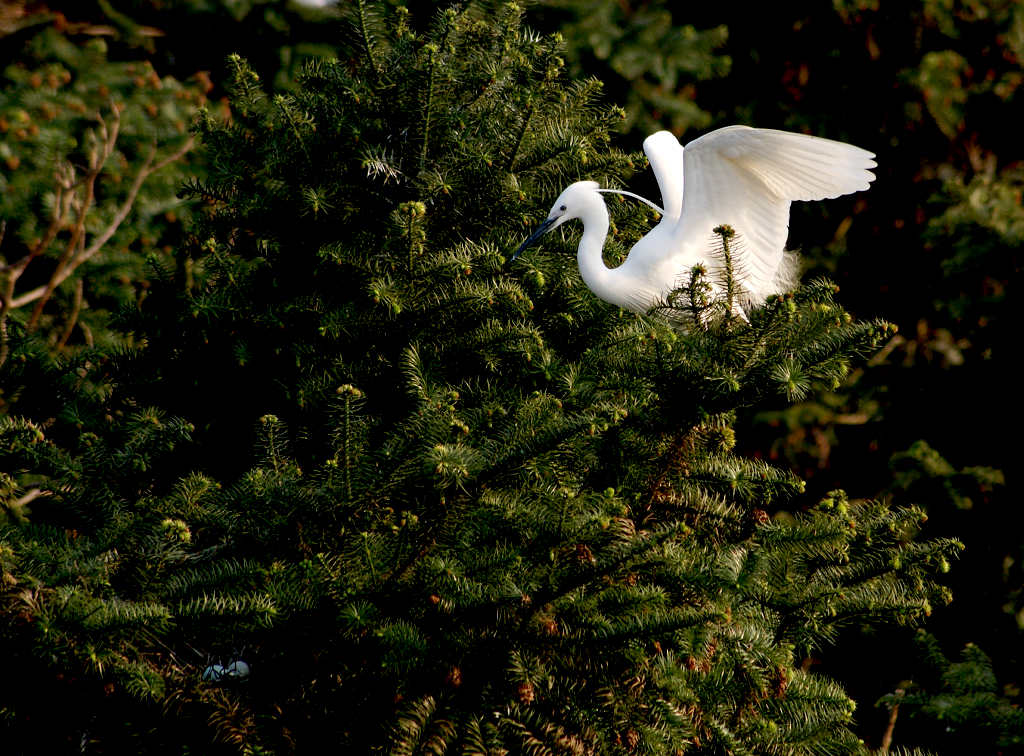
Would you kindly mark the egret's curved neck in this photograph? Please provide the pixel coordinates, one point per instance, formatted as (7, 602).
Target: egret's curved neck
(596, 275)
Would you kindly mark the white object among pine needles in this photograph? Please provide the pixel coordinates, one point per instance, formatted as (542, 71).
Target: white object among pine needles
(737, 176)
(234, 670)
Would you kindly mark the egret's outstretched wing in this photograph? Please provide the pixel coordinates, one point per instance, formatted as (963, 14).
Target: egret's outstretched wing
(746, 178)
(665, 155)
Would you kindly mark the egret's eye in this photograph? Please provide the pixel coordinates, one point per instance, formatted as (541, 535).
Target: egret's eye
(562, 208)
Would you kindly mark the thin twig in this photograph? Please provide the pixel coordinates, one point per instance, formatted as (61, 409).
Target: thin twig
(5, 300)
(4, 344)
(111, 229)
(60, 206)
(73, 318)
(76, 252)
(97, 158)
(31, 496)
(883, 748)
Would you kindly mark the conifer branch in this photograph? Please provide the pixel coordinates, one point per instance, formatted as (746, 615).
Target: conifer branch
(432, 52)
(725, 235)
(349, 394)
(521, 132)
(541, 537)
(284, 104)
(367, 38)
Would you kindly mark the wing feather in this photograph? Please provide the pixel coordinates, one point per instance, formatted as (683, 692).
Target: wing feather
(665, 155)
(746, 178)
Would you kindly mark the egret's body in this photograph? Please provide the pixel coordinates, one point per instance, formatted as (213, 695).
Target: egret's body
(738, 176)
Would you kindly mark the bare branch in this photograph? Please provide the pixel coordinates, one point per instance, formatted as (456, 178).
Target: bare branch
(59, 210)
(174, 156)
(883, 748)
(97, 159)
(125, 208)
(69, 200)
(77, 235)
(148, 168)
(31, 496)
(73, 317)
(4, 344)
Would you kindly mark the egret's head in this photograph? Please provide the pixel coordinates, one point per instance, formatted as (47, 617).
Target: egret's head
(570, 204)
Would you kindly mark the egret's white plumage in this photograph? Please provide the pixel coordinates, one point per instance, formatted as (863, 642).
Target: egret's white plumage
(738, 176)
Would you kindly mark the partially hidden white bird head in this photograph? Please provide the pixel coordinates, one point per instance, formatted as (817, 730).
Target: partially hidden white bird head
(571, 203)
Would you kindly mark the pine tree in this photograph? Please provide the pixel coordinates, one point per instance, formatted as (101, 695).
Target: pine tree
(367, 483)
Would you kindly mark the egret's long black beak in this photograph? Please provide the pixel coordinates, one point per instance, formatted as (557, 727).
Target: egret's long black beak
(542, 229)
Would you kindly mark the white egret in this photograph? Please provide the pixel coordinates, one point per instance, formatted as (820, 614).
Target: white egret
(738, 176)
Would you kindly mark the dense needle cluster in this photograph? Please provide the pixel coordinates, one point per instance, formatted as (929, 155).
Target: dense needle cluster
(435, 504)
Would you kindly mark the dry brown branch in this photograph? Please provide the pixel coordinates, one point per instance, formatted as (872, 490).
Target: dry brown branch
(87, 332)
(891, 726)
(73, 317)
(17, 268)
(122, 212)
(5, 299)
(97, 159)
(75, 197)
(84, 255)
(31, 496)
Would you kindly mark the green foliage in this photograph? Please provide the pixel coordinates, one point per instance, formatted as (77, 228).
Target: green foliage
(647, 58)
(436, 501)
(923, 473)
(87, 195)
(978, 228)
(934, 246)
(957, 705)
